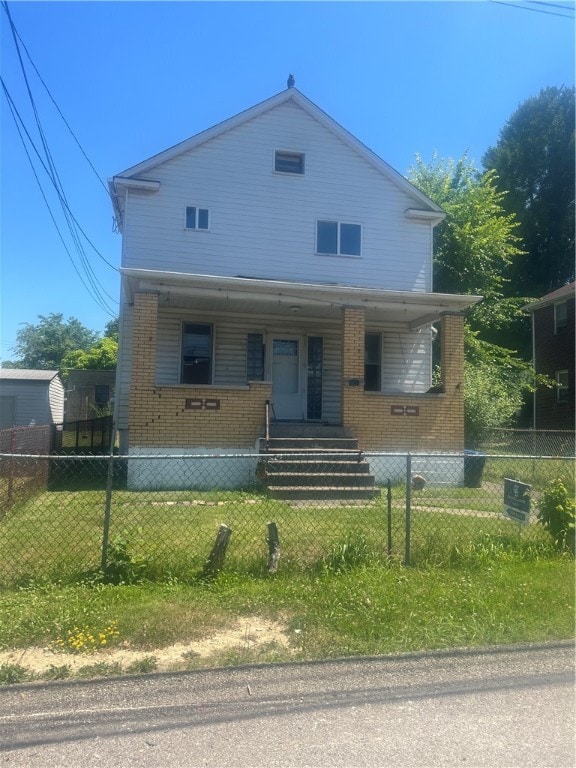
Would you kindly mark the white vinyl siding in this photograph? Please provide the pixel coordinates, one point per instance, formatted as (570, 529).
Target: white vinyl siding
(406, 360)
(406, 356)
(266, 222)
(35, 402)
(230, 345)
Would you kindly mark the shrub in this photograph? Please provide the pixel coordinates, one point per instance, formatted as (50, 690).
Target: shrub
(558, 514)
(123, 567)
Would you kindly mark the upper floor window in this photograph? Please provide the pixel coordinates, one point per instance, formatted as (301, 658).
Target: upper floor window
(338, 238)
(560, 317)
(197, 218)
(562, 389)
(289, 162)
(197, 353)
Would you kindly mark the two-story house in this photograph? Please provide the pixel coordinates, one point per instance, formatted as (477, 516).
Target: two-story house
(553, 341)
(273, 267)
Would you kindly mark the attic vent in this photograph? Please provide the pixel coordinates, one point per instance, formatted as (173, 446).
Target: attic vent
(289, 162)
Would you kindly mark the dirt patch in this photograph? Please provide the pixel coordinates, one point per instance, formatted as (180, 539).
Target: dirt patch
(248, 634)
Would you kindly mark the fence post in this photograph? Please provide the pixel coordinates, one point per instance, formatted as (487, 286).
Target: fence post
(11, 468)
(408, 508)
(389, 504)
(108, 504)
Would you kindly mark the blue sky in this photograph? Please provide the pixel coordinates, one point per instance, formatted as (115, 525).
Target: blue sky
(133, 78)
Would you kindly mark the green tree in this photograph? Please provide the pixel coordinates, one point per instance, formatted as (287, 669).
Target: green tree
(112, 328)
(534, 163)
(44, 345)
(474, 247)
(477, 241)
(102, 356)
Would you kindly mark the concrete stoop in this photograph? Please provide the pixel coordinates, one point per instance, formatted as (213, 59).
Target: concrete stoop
(307, 462)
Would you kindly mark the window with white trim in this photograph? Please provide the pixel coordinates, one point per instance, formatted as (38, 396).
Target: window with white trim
(560, 317)
(197, 218)
(562, 390)
(289, 162)
(197, 353)
(338, 238)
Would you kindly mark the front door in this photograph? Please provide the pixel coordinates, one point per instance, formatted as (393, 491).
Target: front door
(287, 378)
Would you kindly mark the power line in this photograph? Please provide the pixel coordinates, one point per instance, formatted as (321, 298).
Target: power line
(5, 6)
(50, 169)
(563, 6)
(520, 7)
(98, 300)
(69, 216)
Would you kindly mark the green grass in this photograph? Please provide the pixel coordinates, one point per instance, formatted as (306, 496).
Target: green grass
(495, 594)
(476, 578)
(58, 535)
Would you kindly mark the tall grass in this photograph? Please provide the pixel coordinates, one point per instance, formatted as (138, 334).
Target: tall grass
(58, 535)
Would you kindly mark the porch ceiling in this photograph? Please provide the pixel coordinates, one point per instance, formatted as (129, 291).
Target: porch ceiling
(209, 293)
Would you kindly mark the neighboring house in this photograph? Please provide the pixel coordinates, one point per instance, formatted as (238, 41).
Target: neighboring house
(553, 342)
(89, 394)
(275, 258)
(30, 397)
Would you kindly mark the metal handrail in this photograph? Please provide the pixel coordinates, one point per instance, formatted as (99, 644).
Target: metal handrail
(267, 422)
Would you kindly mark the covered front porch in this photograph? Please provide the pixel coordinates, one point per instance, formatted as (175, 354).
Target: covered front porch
(208, 354)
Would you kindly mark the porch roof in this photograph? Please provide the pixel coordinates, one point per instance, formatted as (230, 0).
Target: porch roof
(211, 293)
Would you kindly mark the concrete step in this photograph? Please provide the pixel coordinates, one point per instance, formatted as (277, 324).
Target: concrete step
(307, 429)
(303, 444)
(285, 479)
(317, 493)
(338, 465)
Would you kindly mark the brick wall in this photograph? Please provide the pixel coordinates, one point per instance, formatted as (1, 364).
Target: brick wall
(183, 416)
(394, 422)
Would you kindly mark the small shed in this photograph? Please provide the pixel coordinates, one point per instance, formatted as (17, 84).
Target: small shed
(89, 394)
(29, 397)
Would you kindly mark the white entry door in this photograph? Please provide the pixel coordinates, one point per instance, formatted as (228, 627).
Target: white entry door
(287, 377)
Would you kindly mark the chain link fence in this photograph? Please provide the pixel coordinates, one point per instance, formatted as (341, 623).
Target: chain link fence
(23, 479)
(529, 442)
(157, 517)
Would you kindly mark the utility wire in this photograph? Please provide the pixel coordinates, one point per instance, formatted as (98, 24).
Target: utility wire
(66, 123)
(17, 117)
(103, 305)
(52, 173)
(534, 10)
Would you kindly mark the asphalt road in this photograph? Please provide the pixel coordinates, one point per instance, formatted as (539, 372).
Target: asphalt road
(499, 708)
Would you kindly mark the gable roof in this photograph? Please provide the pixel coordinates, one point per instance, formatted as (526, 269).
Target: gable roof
(27, 374)
(289, 95)
(566, 291)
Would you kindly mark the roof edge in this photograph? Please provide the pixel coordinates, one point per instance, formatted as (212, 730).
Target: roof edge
(294, 95)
